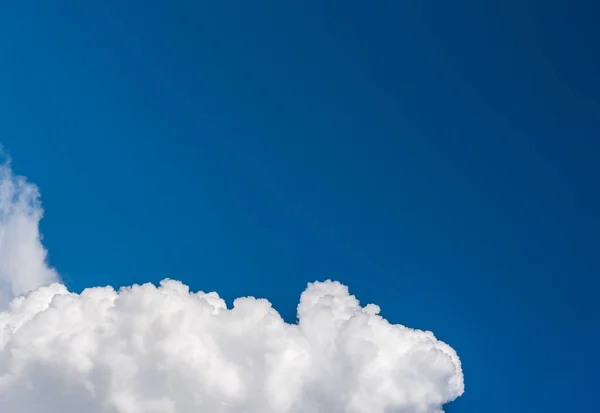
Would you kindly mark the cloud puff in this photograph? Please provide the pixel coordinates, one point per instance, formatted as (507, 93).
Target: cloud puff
(22, 255)
(148, 349)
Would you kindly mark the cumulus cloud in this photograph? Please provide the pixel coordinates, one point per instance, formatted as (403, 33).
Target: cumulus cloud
(149, 349)
(22, 255)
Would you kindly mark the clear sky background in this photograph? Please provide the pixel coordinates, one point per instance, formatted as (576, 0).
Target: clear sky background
(440, 159)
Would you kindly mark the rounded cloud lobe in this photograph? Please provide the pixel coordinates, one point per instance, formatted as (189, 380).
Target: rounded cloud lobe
(22, 255)
(148, 349)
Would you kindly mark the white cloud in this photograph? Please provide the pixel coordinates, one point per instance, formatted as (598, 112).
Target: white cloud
(147, 349)
(22, 255)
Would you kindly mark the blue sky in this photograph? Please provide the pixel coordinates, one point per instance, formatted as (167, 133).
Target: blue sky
(439, 159)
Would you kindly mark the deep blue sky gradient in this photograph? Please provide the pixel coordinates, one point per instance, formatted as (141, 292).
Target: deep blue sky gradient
(441, 159)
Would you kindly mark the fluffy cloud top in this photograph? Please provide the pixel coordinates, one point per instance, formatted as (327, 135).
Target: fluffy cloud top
(148, 349)
(22, 255)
